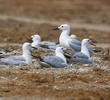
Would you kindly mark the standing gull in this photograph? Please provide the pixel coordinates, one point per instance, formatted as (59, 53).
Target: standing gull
(83, 56)
(68, 41)
(57, 61)
(23, 59)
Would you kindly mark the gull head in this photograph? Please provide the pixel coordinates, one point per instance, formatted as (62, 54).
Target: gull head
(36, 38)
(26, 46)
(63, 27)
(59, 50)
(86, 42)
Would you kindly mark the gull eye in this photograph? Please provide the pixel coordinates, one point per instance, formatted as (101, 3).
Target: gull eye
(62, 26)
(63, 49)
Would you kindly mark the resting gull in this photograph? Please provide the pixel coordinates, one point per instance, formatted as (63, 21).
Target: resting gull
(83, 56)
(57, 61)
(46, 44)
(68, 41)
(20, 60)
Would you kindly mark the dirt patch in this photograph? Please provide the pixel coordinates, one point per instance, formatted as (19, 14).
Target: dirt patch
(60, 84)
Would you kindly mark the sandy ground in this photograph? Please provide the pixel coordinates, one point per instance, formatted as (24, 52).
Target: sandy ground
(88, 19)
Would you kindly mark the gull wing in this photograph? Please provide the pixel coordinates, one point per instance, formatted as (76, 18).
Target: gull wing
(13, 60)
(74, 46)
(80, 57)
(55, 61)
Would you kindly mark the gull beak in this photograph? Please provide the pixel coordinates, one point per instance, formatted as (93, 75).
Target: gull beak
(93, 43)
(56, 28)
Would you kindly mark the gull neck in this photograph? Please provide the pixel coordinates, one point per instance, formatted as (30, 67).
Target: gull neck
(27, 56)
(84, 50)
(58, 54)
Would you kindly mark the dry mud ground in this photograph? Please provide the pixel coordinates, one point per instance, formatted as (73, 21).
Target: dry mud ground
(19, 19)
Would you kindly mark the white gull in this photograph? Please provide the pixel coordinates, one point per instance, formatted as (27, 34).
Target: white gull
(68, 41)
(23, 59)
(37, 43)
(83, 56)
(57, 61)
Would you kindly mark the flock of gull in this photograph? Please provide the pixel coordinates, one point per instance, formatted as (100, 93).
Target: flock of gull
(81, 51)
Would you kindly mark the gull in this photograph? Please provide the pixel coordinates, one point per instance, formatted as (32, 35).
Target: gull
(21, 60)
(37, 43)
(67, 41)
(57, 61)
(83, 56)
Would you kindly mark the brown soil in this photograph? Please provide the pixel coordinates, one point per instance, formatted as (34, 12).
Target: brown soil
(29, 82)
(56, 83)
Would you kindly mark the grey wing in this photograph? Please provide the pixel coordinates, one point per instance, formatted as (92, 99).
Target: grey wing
(54, 47)
(74, 46)
(48, 43)
(75, 41)
(13, 60)
(20, 58)
(80, 54)
(80, 57)
(55, 61)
